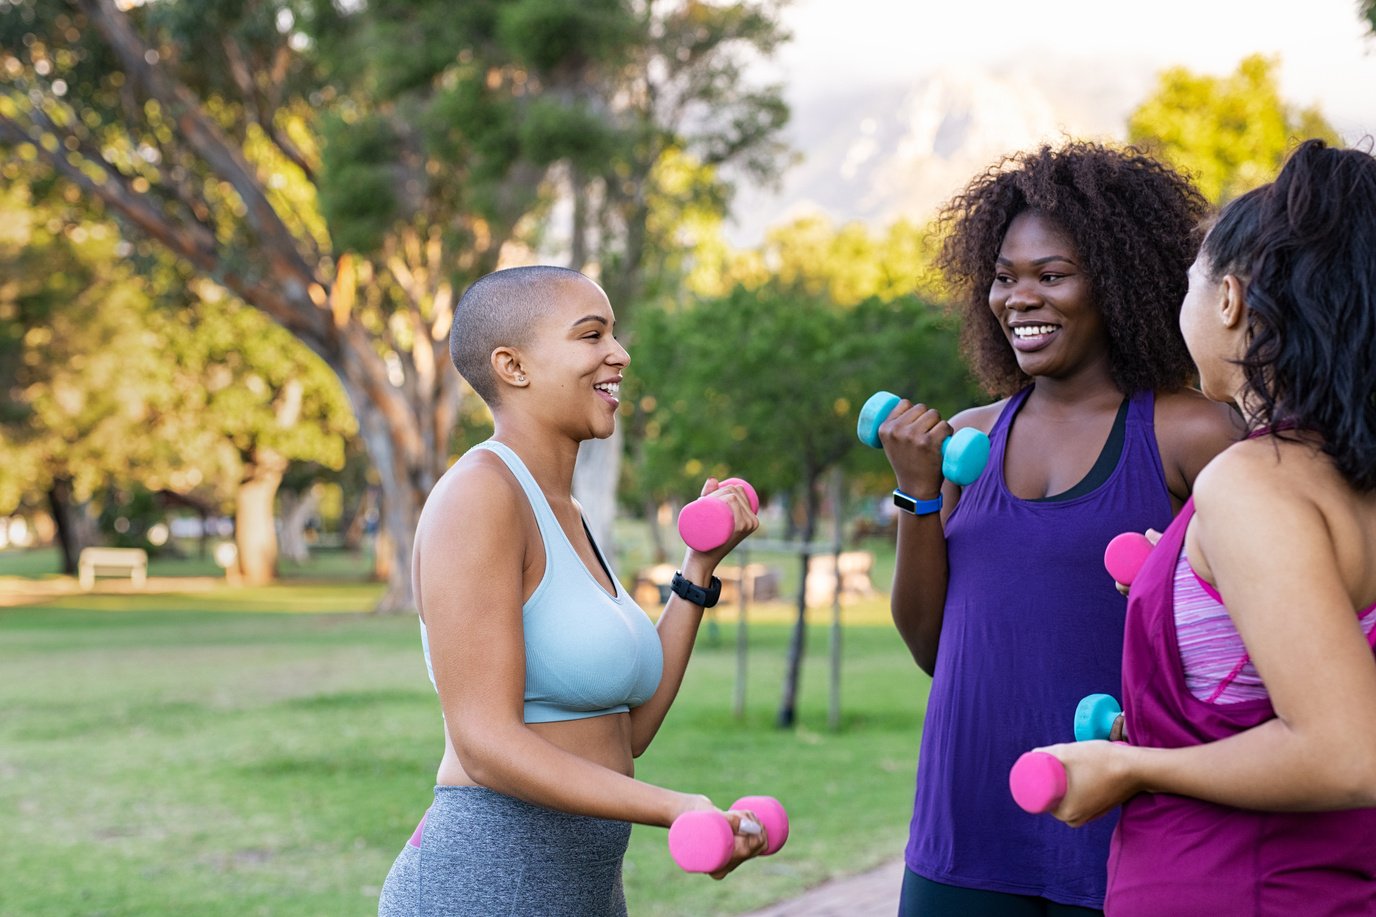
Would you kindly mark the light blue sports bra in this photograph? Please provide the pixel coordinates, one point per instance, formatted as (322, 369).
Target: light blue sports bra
(588, 653)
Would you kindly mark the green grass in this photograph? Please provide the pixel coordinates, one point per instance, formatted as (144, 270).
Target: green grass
(162, 760)
(331, 564)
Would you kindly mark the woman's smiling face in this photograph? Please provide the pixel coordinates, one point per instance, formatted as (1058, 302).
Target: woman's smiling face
(577, 361)
(1043, 299)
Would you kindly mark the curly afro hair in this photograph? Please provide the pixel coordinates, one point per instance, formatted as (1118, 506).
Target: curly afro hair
(1135, 223)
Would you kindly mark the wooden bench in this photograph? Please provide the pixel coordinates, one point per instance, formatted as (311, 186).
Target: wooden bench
(132, 562)
(855, 567)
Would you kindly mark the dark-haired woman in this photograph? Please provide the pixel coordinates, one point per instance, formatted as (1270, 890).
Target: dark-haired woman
(1249, 680)
(1070, 264)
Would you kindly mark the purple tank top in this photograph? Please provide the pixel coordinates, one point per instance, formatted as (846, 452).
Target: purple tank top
(1181, 856)
(1032, 624)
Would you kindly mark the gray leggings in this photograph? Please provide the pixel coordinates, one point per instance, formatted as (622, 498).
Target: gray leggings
(478, 853)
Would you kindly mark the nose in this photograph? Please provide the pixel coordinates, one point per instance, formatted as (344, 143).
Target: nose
(1022, 296)
(620, 356)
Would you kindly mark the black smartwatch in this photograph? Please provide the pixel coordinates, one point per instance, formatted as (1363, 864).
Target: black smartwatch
(695, 593)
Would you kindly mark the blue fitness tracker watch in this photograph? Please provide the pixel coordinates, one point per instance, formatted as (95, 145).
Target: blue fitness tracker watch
(695, 593)
(915, 506)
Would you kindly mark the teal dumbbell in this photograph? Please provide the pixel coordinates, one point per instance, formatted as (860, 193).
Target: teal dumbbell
(1094, 717)
(963, 456)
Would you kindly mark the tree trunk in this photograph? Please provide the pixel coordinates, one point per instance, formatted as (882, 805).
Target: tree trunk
(658, 553)
(70, 537)
(404, 487)
(297, 509)
(788, 706)
(255, 529)
(594, 484)
(355, 520)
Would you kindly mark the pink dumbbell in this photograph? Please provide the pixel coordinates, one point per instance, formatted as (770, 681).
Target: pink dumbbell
(704, 841)
(707, 523)
(1125, 555)
(1037, 782)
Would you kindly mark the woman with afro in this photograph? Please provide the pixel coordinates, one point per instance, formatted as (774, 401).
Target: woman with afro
(1070, 265)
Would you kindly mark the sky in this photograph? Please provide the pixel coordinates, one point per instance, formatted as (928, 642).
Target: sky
(1088, 62)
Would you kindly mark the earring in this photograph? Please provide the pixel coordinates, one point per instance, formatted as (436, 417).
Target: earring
(520, 378)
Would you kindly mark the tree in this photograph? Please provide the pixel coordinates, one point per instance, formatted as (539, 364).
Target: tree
(1231, 134)
(688, 120)
(344, 168)
(72, 317)
(767, 383)
(1367, 9)
(262, 398)
(120, 373)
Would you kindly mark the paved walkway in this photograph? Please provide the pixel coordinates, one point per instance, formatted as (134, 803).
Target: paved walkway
(870, 894)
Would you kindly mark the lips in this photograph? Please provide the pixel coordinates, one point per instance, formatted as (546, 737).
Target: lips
(610, 390)
(1033, 336)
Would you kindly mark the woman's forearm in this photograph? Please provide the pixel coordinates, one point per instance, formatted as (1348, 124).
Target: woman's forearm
(918, 597)
(1271, 767)
(513, 760)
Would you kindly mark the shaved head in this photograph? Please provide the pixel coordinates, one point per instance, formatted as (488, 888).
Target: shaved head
(502, 309)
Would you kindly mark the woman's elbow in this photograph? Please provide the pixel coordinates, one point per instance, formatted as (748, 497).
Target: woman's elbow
(482, 759)
(1359, 778)
(922, 650)
(640, 737)
(1348, 772)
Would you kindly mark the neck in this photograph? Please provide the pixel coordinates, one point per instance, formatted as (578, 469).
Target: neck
(1074, 394)
(1248, 404)
(549, 456)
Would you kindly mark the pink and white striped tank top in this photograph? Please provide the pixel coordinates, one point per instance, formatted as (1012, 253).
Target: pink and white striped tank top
(1218, 669)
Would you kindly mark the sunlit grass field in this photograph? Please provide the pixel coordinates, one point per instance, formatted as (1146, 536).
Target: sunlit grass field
(268, 751)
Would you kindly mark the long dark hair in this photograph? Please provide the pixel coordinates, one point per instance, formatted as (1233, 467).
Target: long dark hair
(1134, 222)
(1305, 248)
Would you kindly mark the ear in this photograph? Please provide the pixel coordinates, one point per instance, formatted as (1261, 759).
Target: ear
(507, 366)
(1232, 304)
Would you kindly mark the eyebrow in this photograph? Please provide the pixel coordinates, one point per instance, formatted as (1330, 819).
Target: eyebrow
(1039, 262)
(589, 318)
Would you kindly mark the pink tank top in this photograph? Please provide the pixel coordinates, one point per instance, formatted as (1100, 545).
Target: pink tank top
(1218, 669)
(1180, 856)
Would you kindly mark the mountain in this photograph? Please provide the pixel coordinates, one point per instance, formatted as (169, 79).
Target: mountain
(879, 153)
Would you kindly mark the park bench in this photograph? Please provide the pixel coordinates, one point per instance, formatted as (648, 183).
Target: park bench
(855, 568)
(132, 562)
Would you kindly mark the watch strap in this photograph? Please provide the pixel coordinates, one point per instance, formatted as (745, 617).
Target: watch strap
(910, 504)
(694, 593)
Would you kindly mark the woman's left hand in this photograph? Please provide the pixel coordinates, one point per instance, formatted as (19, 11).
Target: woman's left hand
(745, 522)
(748, 843)
(1098, 778)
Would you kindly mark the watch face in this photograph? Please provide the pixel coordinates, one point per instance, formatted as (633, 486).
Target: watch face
(912, 505)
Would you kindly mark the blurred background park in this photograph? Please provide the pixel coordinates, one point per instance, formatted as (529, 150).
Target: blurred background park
(232, 233)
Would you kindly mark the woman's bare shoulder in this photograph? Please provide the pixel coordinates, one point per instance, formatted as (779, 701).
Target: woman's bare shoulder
(1189, 412)
(1191, 431)
(982, 417)
(477, 491)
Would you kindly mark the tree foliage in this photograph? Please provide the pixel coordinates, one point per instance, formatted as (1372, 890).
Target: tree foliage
(124, 373)
(84, 381)
(767, 383)
(1230, 133)
(348, 168)
(845, 264)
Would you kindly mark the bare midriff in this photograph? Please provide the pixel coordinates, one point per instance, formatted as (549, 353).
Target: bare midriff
(604, 740)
